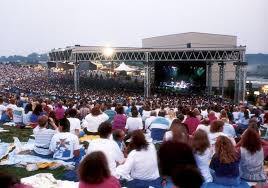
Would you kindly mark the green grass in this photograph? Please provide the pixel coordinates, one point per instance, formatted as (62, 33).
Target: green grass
(21, 172)
(23, 135)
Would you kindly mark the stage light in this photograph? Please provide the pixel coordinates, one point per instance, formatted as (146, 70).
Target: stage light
(108, 52)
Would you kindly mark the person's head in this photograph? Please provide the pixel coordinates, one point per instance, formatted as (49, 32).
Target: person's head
(225, 150)
(153, 113)
(118, 135)
(138, 140)
(162, 113)
(8, 181)
(38, 109)
(181, 117)
(134, 112)
(251, 141)
(191, 114)
(216, 126)
(28, 108)
(42, 121)
(105, 130)
(200, 142)
(253, 124)
(72, 112)
(95, 111)
(196, 112)
(205, 122)
(64, 125)
(94, 168)
(1, 100)
(176, 160)
(12, 101)
(171, 114)
(119, 109)
(223, 114)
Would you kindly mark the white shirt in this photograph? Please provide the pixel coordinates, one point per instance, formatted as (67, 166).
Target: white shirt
(43, 137)
(26, 118)
(92, 122)
(202, 161)
(168, 136)
(145, 115)
(63, 145)
(74, 124)
(18, 115)
(133, 123)
(204, 128)
(111, 150)
(204, 113)
(2, 109)
(12, 106)
(140, 165)
(213, 138)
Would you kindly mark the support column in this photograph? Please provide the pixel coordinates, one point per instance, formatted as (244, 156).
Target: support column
(147, 79)
(76, 75)
(240, 81)
(209, 78)
(221, 78)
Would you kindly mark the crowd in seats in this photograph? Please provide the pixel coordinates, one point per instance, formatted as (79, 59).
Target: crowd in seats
(160, 141)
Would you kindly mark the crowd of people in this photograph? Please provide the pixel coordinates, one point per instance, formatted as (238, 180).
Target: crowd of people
(160, 142)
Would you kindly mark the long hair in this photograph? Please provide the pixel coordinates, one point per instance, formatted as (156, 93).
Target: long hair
(225, 150)
(251, 141)
(200, 142)
(38, 109)
(179, 132)
(138, 141)
(94, 168)
(216, 126)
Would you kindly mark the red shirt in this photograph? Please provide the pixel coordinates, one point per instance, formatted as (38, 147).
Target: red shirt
(192, 123)
(265, 117)
(110, 182)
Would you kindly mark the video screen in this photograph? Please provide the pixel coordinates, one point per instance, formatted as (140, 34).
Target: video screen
(181, 77)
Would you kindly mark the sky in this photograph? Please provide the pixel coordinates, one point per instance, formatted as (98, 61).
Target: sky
(28, 26)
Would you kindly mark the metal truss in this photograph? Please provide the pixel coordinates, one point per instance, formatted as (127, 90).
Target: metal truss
(156, 54)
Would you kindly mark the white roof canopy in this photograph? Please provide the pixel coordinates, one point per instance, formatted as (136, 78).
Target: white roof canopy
(124, 67)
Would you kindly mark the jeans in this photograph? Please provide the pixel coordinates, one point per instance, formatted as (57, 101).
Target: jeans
(141, 183)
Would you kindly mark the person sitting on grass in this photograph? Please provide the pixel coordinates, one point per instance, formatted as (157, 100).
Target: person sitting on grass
(43, 137)
(94, 172)
(64, 144)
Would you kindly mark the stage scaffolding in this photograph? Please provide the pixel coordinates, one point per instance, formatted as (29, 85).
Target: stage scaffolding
(210, 56)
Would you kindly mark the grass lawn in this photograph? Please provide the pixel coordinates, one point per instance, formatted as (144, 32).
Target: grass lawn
(23, 135)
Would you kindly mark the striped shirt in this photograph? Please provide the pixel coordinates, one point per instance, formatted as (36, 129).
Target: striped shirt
(43, 137)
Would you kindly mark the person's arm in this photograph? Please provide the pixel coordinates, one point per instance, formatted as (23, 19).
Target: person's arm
(52, 145)
(125, 169)
(76, 147)
(119, 154)
(52, 123)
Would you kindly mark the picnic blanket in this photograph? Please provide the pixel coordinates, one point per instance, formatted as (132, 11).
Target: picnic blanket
(19, 154)
(47, 180)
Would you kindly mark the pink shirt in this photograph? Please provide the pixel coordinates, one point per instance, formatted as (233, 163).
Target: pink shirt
(192, 124)
(110, 182)
(59, 113)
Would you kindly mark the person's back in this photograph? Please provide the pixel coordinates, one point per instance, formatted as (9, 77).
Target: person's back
(63, 145)
(140, 169)
(159, 126)
(43, 137)
(133, 123)
(110, 113)
(119, 121)
(251, 165)
(75, 125)
(192, 123)
(109, 147)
